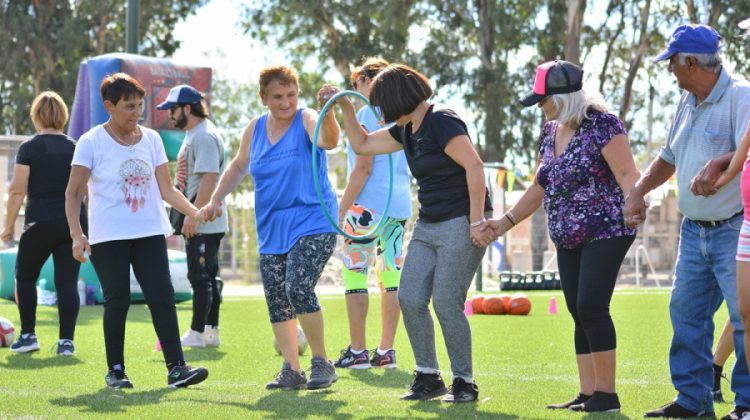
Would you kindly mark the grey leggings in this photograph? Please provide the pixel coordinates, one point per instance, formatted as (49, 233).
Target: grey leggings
(440, 263)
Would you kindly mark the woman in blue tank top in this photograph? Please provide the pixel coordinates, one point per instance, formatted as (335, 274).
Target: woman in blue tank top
(294, 238)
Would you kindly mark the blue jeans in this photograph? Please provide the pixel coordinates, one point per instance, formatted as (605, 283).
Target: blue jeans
(705, 275)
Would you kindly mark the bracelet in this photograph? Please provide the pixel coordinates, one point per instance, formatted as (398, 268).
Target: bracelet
(477, 223)
(510, 219)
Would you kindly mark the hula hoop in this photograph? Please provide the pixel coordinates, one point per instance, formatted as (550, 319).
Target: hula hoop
(378, 226)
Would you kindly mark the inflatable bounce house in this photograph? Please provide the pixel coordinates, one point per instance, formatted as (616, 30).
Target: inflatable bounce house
(158, 76)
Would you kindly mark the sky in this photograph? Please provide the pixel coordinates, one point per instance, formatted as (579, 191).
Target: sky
(224, 48)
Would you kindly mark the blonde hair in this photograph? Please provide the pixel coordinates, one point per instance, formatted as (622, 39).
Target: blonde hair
(573, 108)
(49, 111)
(370, 67)
(281, 73)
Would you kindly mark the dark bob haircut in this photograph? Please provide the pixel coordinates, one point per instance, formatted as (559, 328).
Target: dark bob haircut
(120, 86)
(397, 90)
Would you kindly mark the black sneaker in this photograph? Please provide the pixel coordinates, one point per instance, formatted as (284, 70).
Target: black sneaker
(322, 374)
(118, 379)
(461, 391)
(676, 411)
(602, 402)
(181, 376)
(738, 413)
(579, 399)
(288, 379)
(426, 386)
(718, 375)
(353, 361)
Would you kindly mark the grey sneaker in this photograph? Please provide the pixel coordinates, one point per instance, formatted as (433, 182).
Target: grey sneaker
(322, 374)
(65, 347)
(288, 379)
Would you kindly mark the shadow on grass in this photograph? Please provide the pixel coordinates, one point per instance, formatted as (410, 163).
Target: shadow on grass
(197, 354)
(390, 378)
(28, 361)
(594, 416)
(292, 405)
(111, 401)
(455, 410)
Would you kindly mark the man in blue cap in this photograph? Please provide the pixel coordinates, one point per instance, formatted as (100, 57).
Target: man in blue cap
(710, 121)
(200, 163)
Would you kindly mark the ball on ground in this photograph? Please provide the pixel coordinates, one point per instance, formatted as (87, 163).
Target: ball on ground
(301, 342)
(7, 332)
(520, 304)
(477, 303)
(493, 305)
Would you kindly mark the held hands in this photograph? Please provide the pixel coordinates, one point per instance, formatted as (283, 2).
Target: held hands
(634, 210)
(81, 247)
(710, 178)
(211, 211)
(326, 92)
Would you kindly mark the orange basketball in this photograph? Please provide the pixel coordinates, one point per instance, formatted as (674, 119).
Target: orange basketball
(477, 303)
(493, 305)
(520, 304)
(506, 301)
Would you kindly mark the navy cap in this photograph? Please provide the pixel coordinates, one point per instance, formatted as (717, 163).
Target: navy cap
(181, 95)
(697, 39)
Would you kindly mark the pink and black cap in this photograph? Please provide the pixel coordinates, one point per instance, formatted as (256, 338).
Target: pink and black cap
(552, 78)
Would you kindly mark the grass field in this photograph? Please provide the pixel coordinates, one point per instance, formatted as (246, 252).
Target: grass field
(521, 363)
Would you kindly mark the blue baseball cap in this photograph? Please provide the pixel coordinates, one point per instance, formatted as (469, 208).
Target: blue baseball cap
(698, 39)
(181, 95)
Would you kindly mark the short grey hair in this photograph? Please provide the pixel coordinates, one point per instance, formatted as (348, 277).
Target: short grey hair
(710, 62)
(573, 108)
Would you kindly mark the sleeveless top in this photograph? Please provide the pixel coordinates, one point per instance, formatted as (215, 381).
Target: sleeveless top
(286, 205)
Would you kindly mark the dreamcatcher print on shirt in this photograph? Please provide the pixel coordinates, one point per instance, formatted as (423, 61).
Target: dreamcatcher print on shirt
(135, 178)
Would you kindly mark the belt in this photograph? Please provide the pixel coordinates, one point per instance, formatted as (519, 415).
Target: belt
(714, 223)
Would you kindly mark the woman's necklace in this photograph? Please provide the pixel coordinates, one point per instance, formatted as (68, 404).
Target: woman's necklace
(130, 145)
(270, 130)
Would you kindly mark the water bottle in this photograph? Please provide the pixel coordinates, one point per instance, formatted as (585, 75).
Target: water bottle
(81, 291)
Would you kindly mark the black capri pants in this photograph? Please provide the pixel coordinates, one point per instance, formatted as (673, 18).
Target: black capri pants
(37, 242)
(588, 275)
(148, 256)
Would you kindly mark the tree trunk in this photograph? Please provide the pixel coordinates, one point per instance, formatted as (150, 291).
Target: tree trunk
(635, 62)
(691, 11)
(576, 8)
(488, 74)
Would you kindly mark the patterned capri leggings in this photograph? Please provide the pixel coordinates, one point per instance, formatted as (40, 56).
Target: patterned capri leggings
(289, 279)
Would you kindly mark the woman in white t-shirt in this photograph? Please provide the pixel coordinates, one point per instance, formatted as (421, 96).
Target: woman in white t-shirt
(125, 167)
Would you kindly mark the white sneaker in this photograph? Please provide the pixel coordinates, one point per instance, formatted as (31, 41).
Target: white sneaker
(211, 336)
(193, 339)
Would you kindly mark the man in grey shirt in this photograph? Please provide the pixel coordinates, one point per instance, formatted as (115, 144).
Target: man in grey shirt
(711, 118)
(200, 163)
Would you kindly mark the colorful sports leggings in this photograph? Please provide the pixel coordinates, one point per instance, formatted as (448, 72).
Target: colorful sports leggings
(358, 253)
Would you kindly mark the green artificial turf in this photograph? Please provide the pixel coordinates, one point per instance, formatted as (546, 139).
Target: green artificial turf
(521, 363)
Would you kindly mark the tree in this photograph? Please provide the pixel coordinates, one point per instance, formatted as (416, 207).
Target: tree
(338, 32)
(43, 42)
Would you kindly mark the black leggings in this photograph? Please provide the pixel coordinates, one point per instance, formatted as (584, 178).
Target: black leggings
(203, 268)
(36, 244)
(588, 277)
(148, 256)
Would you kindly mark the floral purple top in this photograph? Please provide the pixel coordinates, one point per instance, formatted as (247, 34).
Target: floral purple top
(581, 195)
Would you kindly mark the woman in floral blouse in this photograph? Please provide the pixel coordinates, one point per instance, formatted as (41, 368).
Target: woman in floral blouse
(585, 169)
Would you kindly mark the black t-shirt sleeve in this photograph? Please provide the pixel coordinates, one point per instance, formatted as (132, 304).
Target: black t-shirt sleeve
(24, 154)
(397, 133)
(446, 125)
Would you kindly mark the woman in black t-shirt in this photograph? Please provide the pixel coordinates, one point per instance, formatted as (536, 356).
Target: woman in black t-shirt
(447, 244)
(41, 174)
